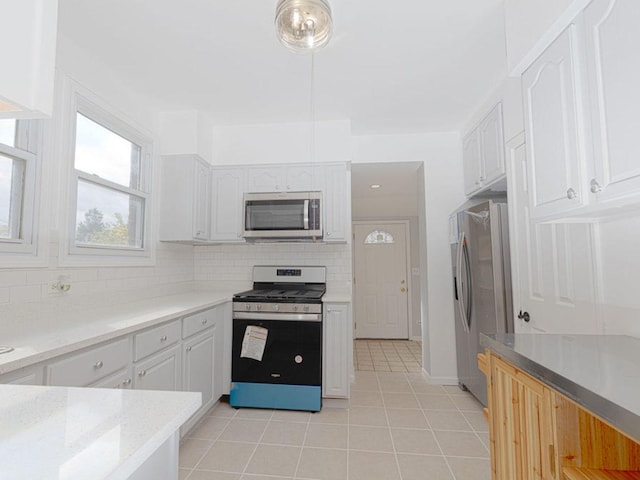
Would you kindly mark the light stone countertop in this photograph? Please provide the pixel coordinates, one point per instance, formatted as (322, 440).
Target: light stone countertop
(599, 372)
(61, 433)
(46, 335)
(331, 297)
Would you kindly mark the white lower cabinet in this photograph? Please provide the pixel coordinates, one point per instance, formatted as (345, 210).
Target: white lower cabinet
(159, 372)
(24, 376)
(199, 373)
(337, 358)
(121, 379)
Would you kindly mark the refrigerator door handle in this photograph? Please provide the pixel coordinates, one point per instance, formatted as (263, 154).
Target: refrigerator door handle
(460, 284)
(468, 306)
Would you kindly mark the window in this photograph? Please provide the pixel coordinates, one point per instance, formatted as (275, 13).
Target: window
(111, 194)
(18, 164)
(379, 236)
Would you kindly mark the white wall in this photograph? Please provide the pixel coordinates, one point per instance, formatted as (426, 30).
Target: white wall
(24, 290)
(443, 193)
(185, 132)
(282, 143)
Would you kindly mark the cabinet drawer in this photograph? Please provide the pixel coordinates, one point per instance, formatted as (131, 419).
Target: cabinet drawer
(198, 322)
(156, 339)
(88, 367)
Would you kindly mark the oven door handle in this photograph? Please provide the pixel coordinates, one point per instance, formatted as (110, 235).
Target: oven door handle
(293, 317)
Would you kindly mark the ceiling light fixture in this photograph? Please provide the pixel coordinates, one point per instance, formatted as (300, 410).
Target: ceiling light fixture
(375, 186)
(303, 25)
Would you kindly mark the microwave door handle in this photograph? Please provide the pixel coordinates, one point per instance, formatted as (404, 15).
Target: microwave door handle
(306, 214)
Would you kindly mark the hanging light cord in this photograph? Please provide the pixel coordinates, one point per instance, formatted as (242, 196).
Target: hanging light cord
(312, 108)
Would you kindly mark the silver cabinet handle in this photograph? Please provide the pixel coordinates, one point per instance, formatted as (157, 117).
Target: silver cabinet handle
(142, 373)
(571, 194)
(188, 349)
(163, 338)
(98, 364)
(205, 321)
(595, 186)
(127, 382)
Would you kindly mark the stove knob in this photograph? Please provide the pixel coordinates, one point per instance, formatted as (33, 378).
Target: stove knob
(306, 308)
(275, 307)
(295, 308)
(259, 307)
(248, 306)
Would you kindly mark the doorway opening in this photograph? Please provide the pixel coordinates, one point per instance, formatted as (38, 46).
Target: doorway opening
(386, 259)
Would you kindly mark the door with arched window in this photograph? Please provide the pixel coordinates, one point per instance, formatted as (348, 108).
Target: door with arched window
(381, 290)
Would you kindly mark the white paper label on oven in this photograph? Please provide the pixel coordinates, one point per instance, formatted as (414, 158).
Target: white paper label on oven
(253, 343)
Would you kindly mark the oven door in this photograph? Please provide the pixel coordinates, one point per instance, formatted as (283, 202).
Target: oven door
(292, 352)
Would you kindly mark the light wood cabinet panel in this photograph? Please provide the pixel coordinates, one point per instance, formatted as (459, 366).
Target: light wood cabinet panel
(538, 433)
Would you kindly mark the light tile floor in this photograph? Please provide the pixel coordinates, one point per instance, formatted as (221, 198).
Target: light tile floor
(387, 355)
(398, 427)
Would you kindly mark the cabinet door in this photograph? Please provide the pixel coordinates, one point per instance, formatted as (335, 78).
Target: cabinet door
(337, 203)
(554, 133)
(199, 372)
(304, 178)
(24, 376)
(201, 201)
(227, 189)
(471, 162)
(336, 359)
(122, 379)
(492, 143)
(613, 39)
(522, 426)
(266, 179)
(161, 372)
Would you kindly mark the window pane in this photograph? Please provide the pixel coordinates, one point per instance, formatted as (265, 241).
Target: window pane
(101, 152)
(379, 236)
(108, 217)
(11, 188)
(8, 131)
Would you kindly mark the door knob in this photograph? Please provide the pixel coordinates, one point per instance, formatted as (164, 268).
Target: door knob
(524, 316)
(403, 289)
(402, 282)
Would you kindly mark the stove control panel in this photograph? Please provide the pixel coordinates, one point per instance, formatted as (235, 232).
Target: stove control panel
(277, 307)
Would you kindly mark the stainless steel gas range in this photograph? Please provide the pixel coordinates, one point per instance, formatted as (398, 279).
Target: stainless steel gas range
(277, 339)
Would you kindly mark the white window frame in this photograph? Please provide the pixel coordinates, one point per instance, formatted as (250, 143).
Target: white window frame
(21, 251)
(88, 104)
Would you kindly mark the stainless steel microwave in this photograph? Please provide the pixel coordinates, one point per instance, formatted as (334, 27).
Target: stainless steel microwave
(290, 215)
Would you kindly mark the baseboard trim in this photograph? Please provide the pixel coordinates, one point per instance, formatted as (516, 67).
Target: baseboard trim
(439, 380)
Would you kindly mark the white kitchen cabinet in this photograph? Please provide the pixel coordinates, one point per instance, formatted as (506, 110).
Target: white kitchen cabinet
(337, 355)
(159, 372)
(337, 203)
(227, 189)
(552, 89)
(483, 152)
(24, 376)
(285, 178)
(199, 370)
(184, 193)
(121, 379)
(89, 366)
(28, 36)
(155, 339)
(612, 43)
(224, 348)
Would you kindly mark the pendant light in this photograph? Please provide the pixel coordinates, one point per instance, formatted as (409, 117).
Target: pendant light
(303, 25)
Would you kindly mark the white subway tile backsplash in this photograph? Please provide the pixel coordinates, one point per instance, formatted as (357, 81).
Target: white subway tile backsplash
(9, 278)
(26, 293)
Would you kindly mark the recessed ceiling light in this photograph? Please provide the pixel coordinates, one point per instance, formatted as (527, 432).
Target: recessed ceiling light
(375, 186)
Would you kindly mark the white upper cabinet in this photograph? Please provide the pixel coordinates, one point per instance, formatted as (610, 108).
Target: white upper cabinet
(227, 189)
(581, 101)
(613, 62)
(28, 38)
(275, 178)
(184, 212)
(483, 153)
(337, 203)
(551, 88)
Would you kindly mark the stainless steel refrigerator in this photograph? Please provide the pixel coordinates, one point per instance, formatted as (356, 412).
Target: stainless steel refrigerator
(482, 284)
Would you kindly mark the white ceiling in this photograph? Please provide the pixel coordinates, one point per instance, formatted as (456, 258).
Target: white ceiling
(400, 66)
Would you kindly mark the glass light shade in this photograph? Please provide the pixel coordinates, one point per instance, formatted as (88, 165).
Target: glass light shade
(303, 25)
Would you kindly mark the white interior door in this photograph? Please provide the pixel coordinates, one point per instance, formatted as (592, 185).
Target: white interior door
(381, 290)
